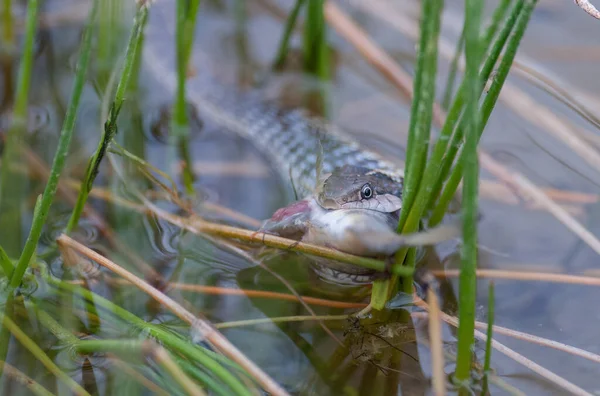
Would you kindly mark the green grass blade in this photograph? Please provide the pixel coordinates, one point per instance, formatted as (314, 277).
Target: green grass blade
(449, 143)
(422, 106)
(110, 127)
(489, 102)
(207, 359)
(468, 279)
(12, 185)
(6, 263)
(60, 156)
(316, 51)
(8, 36)
(418, 137)
(36, 351)
(488, 342)
(290, 23)
(447, 97)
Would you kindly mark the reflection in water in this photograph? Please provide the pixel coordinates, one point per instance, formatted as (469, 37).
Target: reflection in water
(378, 355)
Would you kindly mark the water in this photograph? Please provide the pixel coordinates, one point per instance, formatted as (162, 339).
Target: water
(231, 172)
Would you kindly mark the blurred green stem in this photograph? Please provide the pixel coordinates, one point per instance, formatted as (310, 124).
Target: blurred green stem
(284, 44)
(43, 206)
(468, 280)
(35, 350)
(12, 185)
(8, 36)
(488, 341)
(110, 126)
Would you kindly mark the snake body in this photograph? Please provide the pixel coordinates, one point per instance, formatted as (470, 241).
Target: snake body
(288, 137)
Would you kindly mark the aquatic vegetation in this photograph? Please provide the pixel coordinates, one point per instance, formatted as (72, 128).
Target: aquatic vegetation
(136, 286)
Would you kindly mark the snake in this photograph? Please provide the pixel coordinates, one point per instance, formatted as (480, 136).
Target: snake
(351, 196)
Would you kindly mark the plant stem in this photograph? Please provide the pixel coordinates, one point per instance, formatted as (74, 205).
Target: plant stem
(205, 358)
(523, 15)
(20, 377)
(468, 279)
(42, 357)
(447, 98)
(8, 36)
(284, 44)
(12, 188)
(316, 52)
(59, 158)
(6, 263)
(419, 132)
(448, 144)
(110, 127)
(488, 341)
(187, 11)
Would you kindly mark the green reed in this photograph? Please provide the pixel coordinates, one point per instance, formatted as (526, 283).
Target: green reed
(418, 135)
(488, 342)
(522, 11)
(12, 185)
(8, 37)
(110, 126)
(315, 48)
(468, 279)
(284, 44)
(187, 11)
(219, 366)
(6, 263)
(44, 201)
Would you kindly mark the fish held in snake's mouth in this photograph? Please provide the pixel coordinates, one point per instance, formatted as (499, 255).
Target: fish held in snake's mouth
(344, 214)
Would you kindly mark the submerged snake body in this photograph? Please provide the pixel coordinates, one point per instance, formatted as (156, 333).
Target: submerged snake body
(290, 138)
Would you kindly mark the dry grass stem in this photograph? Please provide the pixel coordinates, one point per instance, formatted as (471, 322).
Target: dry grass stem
(282, 319)
(151, 386)
(436, 344)
(588, 7)
(526, 276)
(544, 372)
(528, 189)
(224, 291)
(201, 325)
(20, 377)
(163, 358)
(512, 97)
(346, 28)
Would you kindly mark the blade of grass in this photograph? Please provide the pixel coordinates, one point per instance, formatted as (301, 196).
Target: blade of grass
(447, 97)
(12, 186)
(60, 156)
(199, 324)
(448, 143)
(187, 11)
(290, 23)
(467, 279)
(445, 149)
(418, 136)
(110, 127)
(486, 108)
(6, 263)
(203, 357)
(20, 377)
(35, 350)
(8, 36)
(488, 343)
(316, 52)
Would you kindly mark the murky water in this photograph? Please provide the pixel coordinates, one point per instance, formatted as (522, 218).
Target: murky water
(236, 41)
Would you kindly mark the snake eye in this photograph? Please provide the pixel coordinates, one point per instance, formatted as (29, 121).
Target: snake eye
(366, 192)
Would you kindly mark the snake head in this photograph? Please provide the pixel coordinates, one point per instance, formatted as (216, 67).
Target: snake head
(355, 187)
